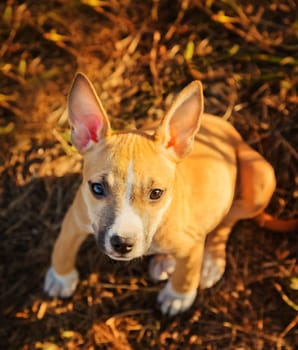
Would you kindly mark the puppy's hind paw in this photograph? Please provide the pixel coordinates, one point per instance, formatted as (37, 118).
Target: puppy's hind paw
(173, 303)
(60, 285)
(212, 270)
(161, 267)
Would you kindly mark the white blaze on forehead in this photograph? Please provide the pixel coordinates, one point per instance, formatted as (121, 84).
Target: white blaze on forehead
(129, 182)
(128, 221)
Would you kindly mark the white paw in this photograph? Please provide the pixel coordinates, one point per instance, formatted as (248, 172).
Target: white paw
(60, 286)
(173, 303)
(161, 267)
(212, 270)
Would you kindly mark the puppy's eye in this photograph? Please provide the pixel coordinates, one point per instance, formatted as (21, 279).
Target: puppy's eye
(97, 189)
(155, 194)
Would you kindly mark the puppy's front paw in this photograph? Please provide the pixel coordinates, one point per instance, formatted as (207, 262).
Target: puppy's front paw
(60, 286)
(173, 303)
(161, 267)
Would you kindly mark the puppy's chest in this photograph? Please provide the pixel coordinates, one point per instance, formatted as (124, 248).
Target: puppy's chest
(155, 249)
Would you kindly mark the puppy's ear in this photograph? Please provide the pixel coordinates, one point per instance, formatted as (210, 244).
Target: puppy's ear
(87, 117)
(180, 125)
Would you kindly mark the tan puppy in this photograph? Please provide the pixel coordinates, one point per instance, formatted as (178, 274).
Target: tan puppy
(170, 192)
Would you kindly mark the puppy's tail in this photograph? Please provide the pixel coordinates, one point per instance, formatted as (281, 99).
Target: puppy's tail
(271, 223)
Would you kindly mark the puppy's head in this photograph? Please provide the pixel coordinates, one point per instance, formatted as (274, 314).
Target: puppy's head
(129, 178)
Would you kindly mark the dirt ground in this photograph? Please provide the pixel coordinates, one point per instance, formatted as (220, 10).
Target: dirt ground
(140, 54)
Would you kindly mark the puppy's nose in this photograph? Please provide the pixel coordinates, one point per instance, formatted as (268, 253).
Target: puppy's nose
(122, 245)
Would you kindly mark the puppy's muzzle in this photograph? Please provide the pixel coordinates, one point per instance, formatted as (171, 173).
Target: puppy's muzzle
(122, 245)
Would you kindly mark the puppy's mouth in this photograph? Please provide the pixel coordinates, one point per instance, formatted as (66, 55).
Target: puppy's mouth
(119, 257)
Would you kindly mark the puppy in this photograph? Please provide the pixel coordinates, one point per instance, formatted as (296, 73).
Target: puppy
(174, 192)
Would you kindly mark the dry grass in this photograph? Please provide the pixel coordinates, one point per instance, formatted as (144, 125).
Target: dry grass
(139, 54)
